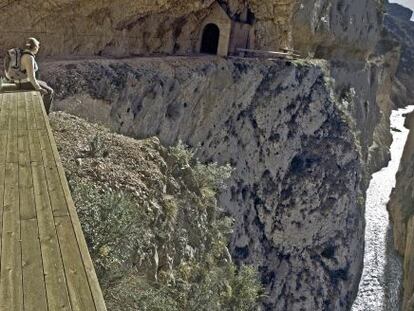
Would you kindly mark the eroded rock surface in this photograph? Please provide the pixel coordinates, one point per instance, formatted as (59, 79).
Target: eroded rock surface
(401, 210)
(298, 133)
(297, 192)
(338, 28)
(123, 28)
(401, 28)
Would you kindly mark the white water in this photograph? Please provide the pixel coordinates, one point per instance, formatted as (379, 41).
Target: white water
(380, 286)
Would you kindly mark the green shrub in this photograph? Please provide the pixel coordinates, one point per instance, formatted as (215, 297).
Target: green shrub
(115, 229)
(166, 252)
(97, 147)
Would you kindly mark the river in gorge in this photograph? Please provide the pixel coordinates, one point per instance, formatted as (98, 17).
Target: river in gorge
(380, 286)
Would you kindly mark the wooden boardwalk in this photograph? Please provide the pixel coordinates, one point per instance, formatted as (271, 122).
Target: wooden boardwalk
(45, 263)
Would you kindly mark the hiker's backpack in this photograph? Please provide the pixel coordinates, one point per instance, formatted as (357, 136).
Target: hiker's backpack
(12, 64)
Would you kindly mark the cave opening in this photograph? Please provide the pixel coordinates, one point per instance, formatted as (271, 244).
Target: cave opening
(210, 39)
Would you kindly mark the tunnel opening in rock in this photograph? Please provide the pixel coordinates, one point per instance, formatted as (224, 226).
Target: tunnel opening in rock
(210, 39)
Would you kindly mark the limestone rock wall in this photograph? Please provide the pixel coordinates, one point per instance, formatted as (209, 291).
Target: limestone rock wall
(337, 28)
(401, 210)
(401, 207)
(401, 29)
(121, 28)
(408, 299)
(297, 193)
(385, 61)
(298, 133)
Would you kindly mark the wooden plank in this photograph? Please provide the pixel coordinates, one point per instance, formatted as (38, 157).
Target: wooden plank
(87, 261)
(12, 148)
(32, 267)
(4, 121)
(56, 194)
(56, 286)
(12, 152)
(269, 53)
(2, 184)
(79, 291)
(12, 102)
(34, 143)
(31, 119)
(3, 146)
(27, 202)
(3, 153)
(21, 111)
(38, 110)
(34, 147)
(34, 287)
(45, 144)
(11, 287)
(23, 149)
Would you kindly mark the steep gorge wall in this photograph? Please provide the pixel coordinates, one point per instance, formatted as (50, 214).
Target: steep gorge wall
(401, 207)
(363, 60)
(298, 190)
(337, 28)
(401, 29)
(298, 135)
(344, 32)
(401, 210)
(303, 137)
(121, 28)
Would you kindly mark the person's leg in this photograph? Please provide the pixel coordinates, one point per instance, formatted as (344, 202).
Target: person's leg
(47, 98)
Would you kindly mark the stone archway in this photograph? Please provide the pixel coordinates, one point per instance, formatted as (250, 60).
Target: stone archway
(210, 39)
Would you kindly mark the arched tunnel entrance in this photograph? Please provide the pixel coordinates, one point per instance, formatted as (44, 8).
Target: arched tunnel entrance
(210, 39)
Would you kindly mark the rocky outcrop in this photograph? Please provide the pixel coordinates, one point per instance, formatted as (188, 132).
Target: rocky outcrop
(296, 193)
(338, 28)
(363, 62)
(126, 28)
(401, 210)
(151, 220)
(324, 28)
(385, 62)
(401, 29)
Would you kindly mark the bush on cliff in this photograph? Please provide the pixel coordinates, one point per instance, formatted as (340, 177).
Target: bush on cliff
(161, 245)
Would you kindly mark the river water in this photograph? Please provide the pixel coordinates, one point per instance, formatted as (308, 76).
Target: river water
(380, 286)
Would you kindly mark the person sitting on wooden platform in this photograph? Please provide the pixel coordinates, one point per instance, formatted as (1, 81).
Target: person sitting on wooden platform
(20, 68)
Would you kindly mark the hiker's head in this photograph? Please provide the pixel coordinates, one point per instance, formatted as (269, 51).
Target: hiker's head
(32, 44)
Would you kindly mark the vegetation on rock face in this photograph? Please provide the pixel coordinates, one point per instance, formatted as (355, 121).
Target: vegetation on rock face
(160, 242)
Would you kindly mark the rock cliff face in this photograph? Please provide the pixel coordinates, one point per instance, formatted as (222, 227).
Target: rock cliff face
(297, 134)
(143, 27)
(401, 29)
(338, 28)
(297, 192)
(176, 233)
(408, 300)
(401, 210)
(398, 24)
(303, 136)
